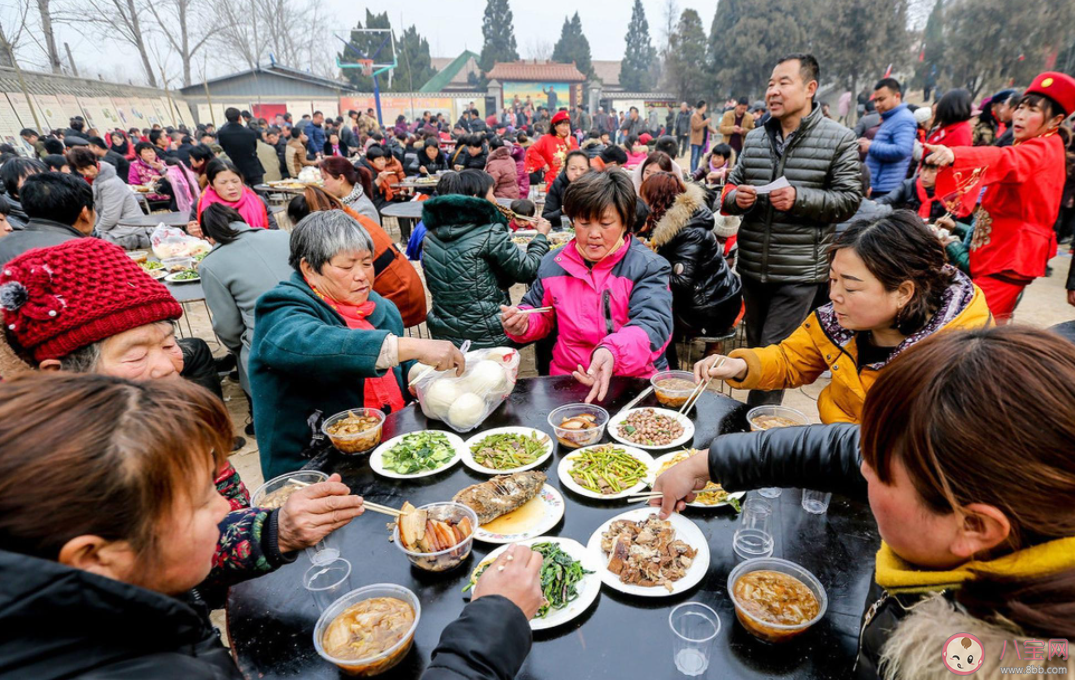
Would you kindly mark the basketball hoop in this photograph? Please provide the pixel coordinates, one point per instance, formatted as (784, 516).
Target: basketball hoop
(366, 66)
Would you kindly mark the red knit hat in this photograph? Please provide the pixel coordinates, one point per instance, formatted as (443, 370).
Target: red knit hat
(645, 138)
(1060, 87)
(560, 117)
(57, 300)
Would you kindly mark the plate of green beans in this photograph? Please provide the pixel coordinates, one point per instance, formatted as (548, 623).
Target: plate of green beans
(606, 471)
(507, 449)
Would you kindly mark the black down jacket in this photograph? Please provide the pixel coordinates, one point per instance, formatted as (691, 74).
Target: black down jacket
(705, 292)
(470, 262)
(821, 162)
(59, 622)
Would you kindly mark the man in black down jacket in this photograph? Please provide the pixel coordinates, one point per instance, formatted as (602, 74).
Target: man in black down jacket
(785, 235)
(241, 145)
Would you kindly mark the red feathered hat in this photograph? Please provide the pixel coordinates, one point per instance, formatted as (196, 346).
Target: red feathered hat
(1060, 87)
(57, 300)
(560, 117)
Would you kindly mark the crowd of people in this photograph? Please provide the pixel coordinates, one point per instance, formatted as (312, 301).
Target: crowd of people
(883, 256)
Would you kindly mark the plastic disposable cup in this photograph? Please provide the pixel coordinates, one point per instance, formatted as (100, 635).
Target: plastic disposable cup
(327, 582)
(324, 551)
(770, 491)
(694, 627)
(754, 537)
(816, 502)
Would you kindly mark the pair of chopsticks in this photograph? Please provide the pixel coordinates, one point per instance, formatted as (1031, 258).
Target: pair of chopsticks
(463, 348)
(644, 496)
(697, 393)
(535, 310)
(640, 397)
(383, 509)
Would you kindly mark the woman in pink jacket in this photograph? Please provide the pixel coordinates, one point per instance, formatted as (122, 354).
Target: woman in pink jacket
(611, 305)
(502, 167)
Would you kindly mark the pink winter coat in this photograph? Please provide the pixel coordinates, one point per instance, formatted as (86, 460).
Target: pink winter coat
(502, 167)
(519, 154)
(623, 304)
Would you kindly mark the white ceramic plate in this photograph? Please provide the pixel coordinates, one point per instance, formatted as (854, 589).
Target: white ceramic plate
(588, 588)
(564, 470)
(660, 460)
(686, 530)
(468, 457)
(552, 503)
(171, 279)
(377, 458)
(685, 438)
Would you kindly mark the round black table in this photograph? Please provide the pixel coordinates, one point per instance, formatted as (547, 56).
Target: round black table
(407, 213)
(621, 637)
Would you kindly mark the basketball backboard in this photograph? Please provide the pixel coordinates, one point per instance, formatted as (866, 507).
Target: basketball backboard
(371, 49)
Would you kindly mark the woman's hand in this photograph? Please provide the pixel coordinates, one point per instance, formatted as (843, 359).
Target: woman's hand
(679, 483)
(939, 155)
(543, 226)
(315, 511)
(945, 222)
(717, 176)
(597, 375)
(514, 575)
(423, 170)
(194, 229)
(440, 354)
(513, 321)
(707, 368)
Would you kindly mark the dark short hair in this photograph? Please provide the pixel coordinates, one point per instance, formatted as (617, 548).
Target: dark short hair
(809, 69)
(5, 207)
(246, 114)
(81, 157)
(142, 146)
(216, 221)
(722, 150)
(296, 132)
(318, 113)
(55, 161)
(201, 153)
(743, 101)
(219, 165)
(53, 145)
(471, 182)
(98, 142)
(700, 104)
(890, 83)
(954, 107)
(231, 114)
(613, 154)
(28, 132)
(56, 196)
(376, 151)
(591, 195)
(524, 207)
(18, 168)
(474, 140)
(667, 144)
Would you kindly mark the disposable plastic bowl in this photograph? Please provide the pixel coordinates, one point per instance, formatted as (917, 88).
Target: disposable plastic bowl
(450, 558)
(177, 264)
(272, 494)
(797, 417)
(670, 397)
(775, 632)
(579, 438)
(375, 665)
(359, 442)
(138, 256)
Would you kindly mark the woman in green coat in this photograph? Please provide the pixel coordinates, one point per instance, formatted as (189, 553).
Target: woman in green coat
(324, 342)
(470, 262)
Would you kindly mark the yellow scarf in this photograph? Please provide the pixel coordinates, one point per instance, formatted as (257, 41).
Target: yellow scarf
(895, 574)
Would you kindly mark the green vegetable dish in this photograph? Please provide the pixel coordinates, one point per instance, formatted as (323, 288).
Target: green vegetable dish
(186, 275)
(607, 470)
(509, 451)
(560, 577)
(419, 452)
(152, 264)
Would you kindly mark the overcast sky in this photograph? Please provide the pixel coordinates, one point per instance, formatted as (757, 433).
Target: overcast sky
(449, 26)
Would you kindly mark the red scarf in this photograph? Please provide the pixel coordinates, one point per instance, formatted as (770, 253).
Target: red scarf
(377, 392)
(926, 201)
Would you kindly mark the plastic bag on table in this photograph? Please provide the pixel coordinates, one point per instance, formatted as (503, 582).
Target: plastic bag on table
(174, 242)
(465, 402)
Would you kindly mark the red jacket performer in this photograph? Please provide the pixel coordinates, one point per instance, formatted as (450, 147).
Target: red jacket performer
(1013, 227)
(549, 152)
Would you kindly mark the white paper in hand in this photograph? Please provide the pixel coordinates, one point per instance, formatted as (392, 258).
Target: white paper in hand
(780, 183)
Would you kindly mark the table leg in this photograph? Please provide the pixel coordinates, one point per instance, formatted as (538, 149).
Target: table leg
(406, 224)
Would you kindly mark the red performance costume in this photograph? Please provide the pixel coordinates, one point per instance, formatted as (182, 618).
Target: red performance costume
(551, 150)
(1013, 227)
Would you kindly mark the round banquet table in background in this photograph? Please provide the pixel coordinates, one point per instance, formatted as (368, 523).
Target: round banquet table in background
(407, 213)
(271, 619)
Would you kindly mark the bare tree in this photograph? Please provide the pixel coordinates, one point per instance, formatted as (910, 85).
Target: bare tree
(11, 33)
(539, 49)
(49, 35)
(116, 19)
(671, 20)
(188, 25)
(249, 34)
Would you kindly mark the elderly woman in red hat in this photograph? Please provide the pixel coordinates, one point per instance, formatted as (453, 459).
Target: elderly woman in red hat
(549, 152)
(1013, 227)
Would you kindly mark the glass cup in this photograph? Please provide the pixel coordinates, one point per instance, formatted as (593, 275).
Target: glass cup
(328, 582)
(326, 550)
(816, 502)
(770, 491)
(754, 537)
(694, 627)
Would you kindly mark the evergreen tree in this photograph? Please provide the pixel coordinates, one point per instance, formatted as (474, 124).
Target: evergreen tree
(636, 73)
(573, 46)
(932, 56)
(686, 53)
(746, 40)
(499, 35)
(365, 46)
(415, 65)
(716, 54)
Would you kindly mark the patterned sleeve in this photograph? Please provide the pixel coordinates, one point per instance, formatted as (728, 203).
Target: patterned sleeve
(230, 486)
(248, 548)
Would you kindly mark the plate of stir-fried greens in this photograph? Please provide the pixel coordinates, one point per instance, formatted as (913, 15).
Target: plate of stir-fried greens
(569, 578)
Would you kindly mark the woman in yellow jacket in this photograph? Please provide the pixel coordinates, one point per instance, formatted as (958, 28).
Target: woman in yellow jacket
(890, 287)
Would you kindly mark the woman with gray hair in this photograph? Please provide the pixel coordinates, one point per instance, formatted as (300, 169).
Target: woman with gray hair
(325, 342)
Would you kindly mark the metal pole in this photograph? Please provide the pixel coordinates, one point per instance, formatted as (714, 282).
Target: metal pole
(71, 59)
(377, 99)
(172, 110)
(209, 99)
(25, 92)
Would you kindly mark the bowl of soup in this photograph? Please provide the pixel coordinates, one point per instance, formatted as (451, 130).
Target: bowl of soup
(770, 417)
(673, 388)
(775, 599)
(368, 630)
(578, 425)
(355, 430)
(275, 492)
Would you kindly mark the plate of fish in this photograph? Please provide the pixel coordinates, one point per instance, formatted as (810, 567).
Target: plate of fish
(649, 557)
(513, 508)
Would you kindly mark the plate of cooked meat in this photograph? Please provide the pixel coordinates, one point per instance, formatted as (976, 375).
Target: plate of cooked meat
(649, 557)
(513, 508)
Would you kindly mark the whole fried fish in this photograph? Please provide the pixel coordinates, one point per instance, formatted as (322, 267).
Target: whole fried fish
(501, 494)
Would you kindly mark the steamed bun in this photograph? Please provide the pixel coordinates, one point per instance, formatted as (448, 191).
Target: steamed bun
(466, 411)
(486, 377)
(440, 396)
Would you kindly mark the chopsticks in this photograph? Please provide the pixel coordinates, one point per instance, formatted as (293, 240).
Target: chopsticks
(535, 310)
(644, 496)
(697, 393)
(637, 399)
(463, 348)
(383, 509)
